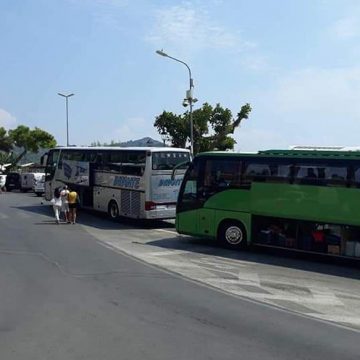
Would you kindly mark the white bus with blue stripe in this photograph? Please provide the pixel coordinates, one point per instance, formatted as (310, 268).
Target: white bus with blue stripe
(132, 182)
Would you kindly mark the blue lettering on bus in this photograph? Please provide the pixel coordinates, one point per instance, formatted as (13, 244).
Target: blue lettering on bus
(169, 182)
(128, 182)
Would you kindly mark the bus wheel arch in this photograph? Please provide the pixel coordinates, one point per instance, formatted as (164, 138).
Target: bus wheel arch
(232, 234)
(113, 209)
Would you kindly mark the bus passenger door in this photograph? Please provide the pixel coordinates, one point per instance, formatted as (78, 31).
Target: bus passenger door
(187, 207)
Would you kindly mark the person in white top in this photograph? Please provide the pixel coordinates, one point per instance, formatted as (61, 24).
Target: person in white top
(65, 203)
(56, 203)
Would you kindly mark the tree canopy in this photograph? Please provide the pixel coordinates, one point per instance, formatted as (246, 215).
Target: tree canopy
(26, 139)
(213, 127)
(5, 141)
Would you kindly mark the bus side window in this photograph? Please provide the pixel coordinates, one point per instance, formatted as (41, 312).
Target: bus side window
(336, 175)
(307, 174)
(355, 181)
(256, 172)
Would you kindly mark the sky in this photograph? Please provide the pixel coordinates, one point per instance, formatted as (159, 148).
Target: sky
(296, 62)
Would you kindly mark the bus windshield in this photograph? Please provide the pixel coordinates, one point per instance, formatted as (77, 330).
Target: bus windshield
(167, 160)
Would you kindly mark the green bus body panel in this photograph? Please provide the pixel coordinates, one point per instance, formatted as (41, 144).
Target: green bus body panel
(187, 222)
(205, 222)
(336, 205)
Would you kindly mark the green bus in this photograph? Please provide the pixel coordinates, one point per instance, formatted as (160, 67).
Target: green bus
(304, 200)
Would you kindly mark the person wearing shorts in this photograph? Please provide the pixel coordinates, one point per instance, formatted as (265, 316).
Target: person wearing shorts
(73, 199)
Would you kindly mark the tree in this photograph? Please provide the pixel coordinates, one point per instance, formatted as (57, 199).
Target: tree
(27, 140)
(212, 127)
(5, 141)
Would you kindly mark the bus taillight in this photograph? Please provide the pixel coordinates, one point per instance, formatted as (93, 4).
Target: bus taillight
(149, 205)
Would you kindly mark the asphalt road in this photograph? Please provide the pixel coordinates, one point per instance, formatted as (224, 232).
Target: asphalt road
(63, 295)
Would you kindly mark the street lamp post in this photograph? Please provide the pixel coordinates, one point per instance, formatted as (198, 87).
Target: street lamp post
(67, 116)
(189, 99)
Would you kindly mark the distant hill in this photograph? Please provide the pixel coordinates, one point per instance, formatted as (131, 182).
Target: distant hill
(146, 141)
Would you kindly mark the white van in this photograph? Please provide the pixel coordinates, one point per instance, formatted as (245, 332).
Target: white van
(28, 180)
(2, 181)
(39, 186)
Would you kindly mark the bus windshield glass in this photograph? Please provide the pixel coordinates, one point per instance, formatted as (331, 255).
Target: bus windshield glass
(167, 160)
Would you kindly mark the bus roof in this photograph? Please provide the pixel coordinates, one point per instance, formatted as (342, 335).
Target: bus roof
(137, 148)
(315, 154)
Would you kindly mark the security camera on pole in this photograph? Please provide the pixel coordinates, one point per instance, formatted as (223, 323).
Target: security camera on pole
(189, 99)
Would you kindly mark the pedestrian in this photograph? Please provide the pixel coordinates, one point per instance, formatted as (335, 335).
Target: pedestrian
(73, 199)
(56, 203)
(65, 203)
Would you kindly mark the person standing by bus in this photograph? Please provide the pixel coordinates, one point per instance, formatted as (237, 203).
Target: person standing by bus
(73, 200)
(65, 203)
(56, 203)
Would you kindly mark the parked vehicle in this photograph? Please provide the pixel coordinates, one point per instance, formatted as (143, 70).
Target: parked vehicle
(133, 182)
(28, 179)
(2, 181)
(39, 185)
(305, 200)
(13, 181)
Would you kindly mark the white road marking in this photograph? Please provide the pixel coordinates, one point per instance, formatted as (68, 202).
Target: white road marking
(3, 216)
(167, 231)
(23, 215)
(168, 252)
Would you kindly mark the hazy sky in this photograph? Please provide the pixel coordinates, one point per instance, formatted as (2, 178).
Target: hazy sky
(295, 61)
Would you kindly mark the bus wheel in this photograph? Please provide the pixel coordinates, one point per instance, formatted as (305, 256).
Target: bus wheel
(232, 234)
(113, 210)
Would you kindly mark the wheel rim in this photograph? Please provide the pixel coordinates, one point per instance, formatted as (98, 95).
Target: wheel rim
(233, 235)
(114, 211)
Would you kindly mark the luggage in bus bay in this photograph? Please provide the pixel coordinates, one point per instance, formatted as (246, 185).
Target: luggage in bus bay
(308, 236)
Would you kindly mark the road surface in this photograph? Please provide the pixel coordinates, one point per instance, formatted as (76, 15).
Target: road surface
(72, 292)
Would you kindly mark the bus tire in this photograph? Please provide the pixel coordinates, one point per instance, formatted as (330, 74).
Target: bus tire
(113, 210)
(232, 234)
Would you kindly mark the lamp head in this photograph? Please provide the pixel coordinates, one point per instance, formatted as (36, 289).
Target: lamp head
(66, 96)
(161, 52)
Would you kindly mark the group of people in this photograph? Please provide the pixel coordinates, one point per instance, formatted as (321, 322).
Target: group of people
(65, 201)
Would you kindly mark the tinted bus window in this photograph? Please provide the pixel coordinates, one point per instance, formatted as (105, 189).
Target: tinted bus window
(169, 159)
(321, 174)
(220, 174)
(271, 172)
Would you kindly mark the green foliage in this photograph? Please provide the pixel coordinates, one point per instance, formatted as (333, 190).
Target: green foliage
(25, 139)
(5, 141)
(31, 140)
(212, 127)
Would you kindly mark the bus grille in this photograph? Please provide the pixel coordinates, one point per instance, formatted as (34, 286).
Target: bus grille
(130, 202)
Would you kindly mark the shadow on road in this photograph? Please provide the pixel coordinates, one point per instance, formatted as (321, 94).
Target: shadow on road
(98, 220)
(270, 256)
(287, 259)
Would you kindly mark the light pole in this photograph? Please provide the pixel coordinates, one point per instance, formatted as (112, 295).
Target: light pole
(67, 116)
(189, 99)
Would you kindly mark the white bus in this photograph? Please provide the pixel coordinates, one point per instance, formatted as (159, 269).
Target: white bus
(133, 182)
